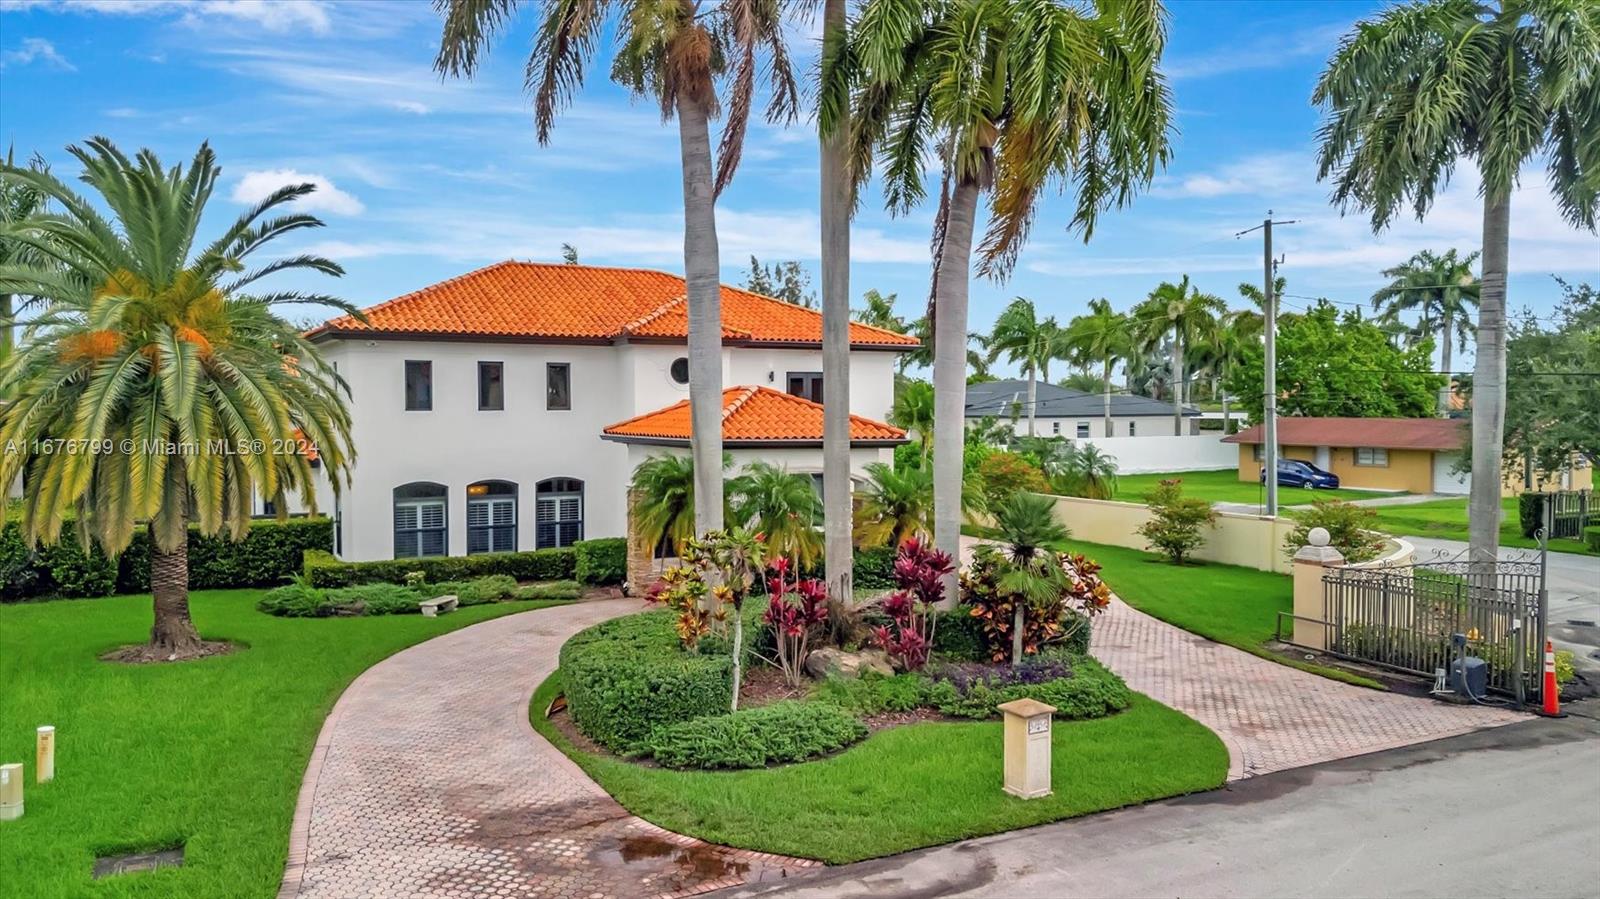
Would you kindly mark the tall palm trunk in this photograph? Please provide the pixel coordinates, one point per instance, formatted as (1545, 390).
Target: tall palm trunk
(1489, 382)
(1033, 396)
(950, 375)
(1106, 385)
(1444, 365)
(1226, 428)
(173, 633)
(1178, 383)
(837, 545)
(701, 269)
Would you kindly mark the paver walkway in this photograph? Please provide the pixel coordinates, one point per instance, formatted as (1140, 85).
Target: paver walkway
(428, 781)
(1270, 716)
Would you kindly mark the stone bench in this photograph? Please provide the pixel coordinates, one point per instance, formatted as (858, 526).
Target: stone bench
(433, 608)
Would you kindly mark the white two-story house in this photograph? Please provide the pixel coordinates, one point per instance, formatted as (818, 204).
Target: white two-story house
(507, 408)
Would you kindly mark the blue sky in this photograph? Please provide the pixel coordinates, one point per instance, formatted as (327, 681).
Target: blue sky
(424, 179)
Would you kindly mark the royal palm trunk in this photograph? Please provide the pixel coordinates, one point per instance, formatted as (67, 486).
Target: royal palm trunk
(1033, 396)
(1489, 382)
(701, 269)
(173, 633)
(1106, 386)
(1444, 366)
(950, 376)
(1177, 387)
(837, 544)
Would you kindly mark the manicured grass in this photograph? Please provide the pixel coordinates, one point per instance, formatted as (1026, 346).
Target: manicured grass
(912, 786)
(208, 753)
(1446, 519)
(1225, 487)
(1226, 603)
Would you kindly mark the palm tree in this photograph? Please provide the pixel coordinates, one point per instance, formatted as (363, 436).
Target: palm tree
(877, 310)
(1015, 96)
(1091, 471)
(1418, 87)
(1027, 522)
(675, 52)
(1022, 337)
(894, 505)
(1103, 337)
(913, 411)
(19, 202)
(663, 497)
(1444, 290)
(835, 76)
(783, 506)
(1225, 347)
(147, 343)
(1187, 316)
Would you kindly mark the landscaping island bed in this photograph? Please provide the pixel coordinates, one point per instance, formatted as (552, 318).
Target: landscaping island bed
(910, 782)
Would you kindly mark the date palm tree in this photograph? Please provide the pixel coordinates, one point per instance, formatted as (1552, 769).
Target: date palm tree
(675, 52)
(1104, 337)
(1186, 316)
(175, 390)
(894, 505)
(1443, 289)
(770, 500)
(1027, 523)
(1014, 97)
(1412, 90)
(913, 411)
(1091, 471)
(663, 491)
(1022, 337)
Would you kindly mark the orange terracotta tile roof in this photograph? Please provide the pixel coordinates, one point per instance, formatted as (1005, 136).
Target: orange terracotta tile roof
(751, 415)
(1388, 433)
(588, 303)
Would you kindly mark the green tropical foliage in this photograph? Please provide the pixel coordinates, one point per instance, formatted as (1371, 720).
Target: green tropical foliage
(913, 412)
(1103, 337)
(1025, 339)
(894, 505)
(156, 356)
(1552, 413)
(784, 507)
(1185, 316)
(19, 203)
(1088, 472)
(1444, 292)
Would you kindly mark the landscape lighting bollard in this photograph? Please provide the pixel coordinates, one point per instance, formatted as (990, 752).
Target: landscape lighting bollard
(1027, 747)
(11, 791)
(44, 765)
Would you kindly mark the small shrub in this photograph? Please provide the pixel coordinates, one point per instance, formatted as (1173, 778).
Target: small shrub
(872, 693)
(990, 595)
(1349, 529)
(296, 601)
(551, 590)
(959, 637)
(1565, 670)
(476, 592)
(755, 738)
(1530, 513)
(1591, 537)
(796, 608)
(415, 579)
(873, 569)
(374, 599)
(919, 571)
(1004, 474)
(1087, 691)
(601, 562)
(1176, 522)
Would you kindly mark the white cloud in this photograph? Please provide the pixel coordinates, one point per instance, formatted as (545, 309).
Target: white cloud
(1269, 52)
(255, 186)
(36, 49)
(123, 112)
(278, 16)
(1260, 174)
(411, 106)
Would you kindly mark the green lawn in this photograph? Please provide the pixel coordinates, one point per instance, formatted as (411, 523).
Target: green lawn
(1225, 487)
(1226, 603)
(912, 786)
(209, 753)
(1446, 519)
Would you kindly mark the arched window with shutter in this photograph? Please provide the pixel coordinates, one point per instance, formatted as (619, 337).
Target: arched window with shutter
(420, 520)
(491, 517)
(559, 514)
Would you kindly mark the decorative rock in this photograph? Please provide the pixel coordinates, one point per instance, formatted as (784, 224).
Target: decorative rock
(837, 662)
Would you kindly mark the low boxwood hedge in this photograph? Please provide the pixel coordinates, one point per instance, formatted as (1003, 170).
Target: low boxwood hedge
(324, 570)
(1591, 537)
(1089, 690)
(756, 738)
(627, 677)
(601, 562)
(271, 552)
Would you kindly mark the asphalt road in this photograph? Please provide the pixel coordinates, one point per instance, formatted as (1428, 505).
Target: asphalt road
(1574, 584)
(1513, 811)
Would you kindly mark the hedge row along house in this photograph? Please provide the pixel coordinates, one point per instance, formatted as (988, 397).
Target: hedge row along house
(507, 408)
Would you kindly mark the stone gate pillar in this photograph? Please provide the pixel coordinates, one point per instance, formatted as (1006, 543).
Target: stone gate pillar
(1310, 597)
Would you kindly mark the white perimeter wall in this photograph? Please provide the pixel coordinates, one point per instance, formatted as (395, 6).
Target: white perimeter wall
(1198, 452)
(1145, 426)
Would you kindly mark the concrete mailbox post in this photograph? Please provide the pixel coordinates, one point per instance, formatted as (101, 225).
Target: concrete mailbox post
(1027, 747)
(11, 791)
(44, 765)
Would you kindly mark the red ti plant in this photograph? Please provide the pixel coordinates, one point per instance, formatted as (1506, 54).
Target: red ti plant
(919, 572)
(798, 606)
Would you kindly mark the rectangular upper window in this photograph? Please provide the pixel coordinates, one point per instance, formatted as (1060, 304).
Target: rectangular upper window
(1375, 456)
(1055, 427)
(1083, 429)
(1133, 429)
(419, 385)
(805, 383)
(558, 385)
(491, 386)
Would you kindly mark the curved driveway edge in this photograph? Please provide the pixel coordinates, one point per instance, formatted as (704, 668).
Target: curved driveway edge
(427, 780)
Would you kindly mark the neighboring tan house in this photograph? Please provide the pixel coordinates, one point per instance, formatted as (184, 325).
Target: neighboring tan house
(1064, 412)
(507, 408)
(1415, 455)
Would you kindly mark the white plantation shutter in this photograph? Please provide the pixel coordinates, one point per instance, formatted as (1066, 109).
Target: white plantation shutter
(492, 525)
(559, 512)
(419, 528)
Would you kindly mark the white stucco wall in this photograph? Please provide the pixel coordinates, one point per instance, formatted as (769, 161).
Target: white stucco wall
(1145, 425)
(1196, 452)
(457, 445)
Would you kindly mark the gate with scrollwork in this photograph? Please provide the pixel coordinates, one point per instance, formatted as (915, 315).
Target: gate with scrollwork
(1405, 617)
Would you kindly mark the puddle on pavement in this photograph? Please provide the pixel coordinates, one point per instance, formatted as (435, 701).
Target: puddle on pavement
(695, 863)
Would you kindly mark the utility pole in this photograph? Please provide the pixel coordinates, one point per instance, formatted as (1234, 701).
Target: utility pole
(1269, 410)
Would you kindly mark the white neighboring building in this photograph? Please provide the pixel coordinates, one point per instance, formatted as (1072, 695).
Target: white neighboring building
(507, 408)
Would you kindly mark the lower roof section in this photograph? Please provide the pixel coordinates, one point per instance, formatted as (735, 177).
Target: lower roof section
(751, 417)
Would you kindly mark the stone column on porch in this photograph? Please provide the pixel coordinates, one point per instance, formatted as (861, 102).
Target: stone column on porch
(641, 552)
(1310, 597)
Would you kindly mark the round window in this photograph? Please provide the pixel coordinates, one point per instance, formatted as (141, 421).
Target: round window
(680, 370)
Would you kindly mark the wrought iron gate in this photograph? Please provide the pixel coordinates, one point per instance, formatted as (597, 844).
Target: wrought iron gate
(1567, 513)
(1404, 617)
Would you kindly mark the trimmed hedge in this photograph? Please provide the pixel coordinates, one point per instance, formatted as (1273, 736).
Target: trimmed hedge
(1591, 537)
(1089, 691)
(324, 570)
(873, 569)
(627, 677)
(756, 738)
(1530, 512)
(271, 552)
(601, 562)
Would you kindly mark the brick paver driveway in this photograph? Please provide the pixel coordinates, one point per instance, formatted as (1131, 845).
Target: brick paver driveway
(428, 781)
(1270, 716)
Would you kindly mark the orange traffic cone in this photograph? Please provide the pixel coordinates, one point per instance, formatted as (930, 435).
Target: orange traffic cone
(1552, 694)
